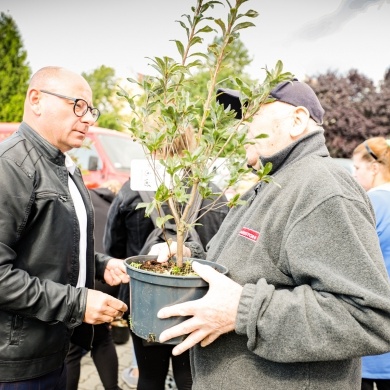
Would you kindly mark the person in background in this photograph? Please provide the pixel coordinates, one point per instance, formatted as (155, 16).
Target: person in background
(130, 374)
(103, 350)
(307, 292)
(126, 232)
(47, 259)
(371, 160)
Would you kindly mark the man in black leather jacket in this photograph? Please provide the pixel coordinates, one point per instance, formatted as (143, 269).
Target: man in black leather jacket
(47, 259)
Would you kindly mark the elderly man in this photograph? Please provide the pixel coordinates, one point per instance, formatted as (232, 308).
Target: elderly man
(307, 292)
(47, 258)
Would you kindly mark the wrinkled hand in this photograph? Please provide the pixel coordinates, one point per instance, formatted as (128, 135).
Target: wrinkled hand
(102, 308)
(212, 315)
(164, 252)
(115, 272)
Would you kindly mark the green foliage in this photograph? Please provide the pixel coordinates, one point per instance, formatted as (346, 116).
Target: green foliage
(167, 108)
(235, 61)
(103, 84)
(14, 71)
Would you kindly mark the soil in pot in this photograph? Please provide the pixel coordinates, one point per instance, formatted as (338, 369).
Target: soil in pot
(167, 268)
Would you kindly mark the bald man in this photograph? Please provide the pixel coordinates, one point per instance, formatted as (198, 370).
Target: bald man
(47, 259)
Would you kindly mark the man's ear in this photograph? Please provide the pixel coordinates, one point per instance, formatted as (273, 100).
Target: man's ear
(301, 119)
(33, 98)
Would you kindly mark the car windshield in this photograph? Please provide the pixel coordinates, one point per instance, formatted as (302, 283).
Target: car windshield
(121, 150)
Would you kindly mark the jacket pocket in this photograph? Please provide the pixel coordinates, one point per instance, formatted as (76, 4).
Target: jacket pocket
(16, 329)
(51, 195)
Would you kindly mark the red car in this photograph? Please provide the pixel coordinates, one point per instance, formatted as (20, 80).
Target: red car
(105, 155)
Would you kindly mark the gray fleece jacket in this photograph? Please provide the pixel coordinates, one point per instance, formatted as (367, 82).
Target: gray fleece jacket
(316, 293)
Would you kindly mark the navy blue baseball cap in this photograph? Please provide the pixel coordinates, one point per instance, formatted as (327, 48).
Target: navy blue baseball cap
(292, 92)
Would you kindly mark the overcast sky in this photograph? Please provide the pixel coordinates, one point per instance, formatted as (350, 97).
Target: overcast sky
(309, 36)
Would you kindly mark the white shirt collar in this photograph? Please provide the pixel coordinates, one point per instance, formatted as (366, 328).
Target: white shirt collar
(70, 164)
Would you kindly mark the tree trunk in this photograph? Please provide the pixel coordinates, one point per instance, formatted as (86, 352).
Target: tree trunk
(180, 248)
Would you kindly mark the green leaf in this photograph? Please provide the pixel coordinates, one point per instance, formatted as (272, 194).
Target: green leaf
(162, 193)
(241, 26)
(260, 136)
(130, 80)
(221, 24)
(180, 47)
(141, 205)
(132, 104)
(185, 27)
(211, 4)
(160, 221)
(199, 54)
(267, 169)
(195, 63)
(205, 29)
(195, 40)
(251, 14)
(149, 208)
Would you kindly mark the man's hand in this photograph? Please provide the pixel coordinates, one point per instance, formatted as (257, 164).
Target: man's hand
(115, 272)
(211, 316)
(164, 252)
(102, 308)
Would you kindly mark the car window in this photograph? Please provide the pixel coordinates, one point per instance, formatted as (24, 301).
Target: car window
(121, 150)
(82, 156)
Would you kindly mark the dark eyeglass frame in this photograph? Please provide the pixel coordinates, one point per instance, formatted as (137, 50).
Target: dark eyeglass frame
(94, 111)
(370, 152)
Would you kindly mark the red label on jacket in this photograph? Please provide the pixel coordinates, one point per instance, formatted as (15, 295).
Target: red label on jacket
(249, 234)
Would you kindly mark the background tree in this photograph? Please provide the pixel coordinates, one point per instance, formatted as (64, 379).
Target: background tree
(382, 117)
(104, 87)
(15, 71)
(350, 104)
(237, 59)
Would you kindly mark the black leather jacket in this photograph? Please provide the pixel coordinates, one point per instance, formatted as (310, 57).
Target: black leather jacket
(39, 257)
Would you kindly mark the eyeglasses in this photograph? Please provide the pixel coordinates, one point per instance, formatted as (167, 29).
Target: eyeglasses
(80, 107)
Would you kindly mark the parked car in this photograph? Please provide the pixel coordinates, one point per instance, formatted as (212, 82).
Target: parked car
(105, 155)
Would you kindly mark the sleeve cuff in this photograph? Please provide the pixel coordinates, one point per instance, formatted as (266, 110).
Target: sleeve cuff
(197, 251)
(244, 308)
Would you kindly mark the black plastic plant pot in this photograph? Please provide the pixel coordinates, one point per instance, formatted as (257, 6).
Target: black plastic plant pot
(150, 292)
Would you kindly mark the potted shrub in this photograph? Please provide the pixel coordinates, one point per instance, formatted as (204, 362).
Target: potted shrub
(162, 113)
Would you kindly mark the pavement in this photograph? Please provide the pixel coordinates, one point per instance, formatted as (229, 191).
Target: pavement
(89, 377)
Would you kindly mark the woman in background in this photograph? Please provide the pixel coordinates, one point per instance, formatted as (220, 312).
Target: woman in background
(372, 170)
